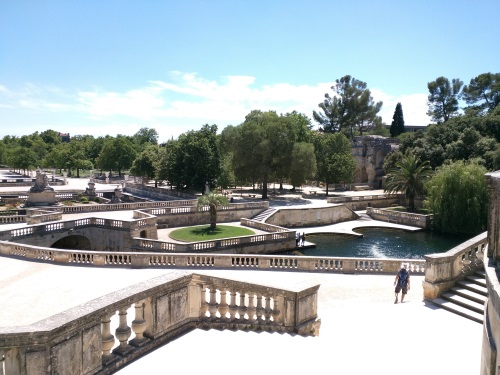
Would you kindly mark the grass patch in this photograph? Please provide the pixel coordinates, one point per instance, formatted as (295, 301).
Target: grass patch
(205, 233)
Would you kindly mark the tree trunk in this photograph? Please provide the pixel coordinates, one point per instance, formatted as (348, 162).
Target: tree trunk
(264, 187)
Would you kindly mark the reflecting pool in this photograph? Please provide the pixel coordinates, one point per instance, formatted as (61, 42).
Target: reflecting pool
(382, 243)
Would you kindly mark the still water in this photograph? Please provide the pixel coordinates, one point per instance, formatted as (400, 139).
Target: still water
(383, 243)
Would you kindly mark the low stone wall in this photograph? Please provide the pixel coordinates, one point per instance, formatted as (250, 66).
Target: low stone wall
(357, 203)
(443, 270)
(79, 341)
(125, 206)
(186, 216)
(156, 193)
(312, 216)
(397, 217)
(490, 360)
(222, 261)
(103, 234)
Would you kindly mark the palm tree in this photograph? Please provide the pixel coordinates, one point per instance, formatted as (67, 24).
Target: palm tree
(212, 200)
(408, 176)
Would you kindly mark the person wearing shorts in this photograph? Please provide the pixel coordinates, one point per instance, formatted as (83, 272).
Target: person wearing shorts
(402, 283)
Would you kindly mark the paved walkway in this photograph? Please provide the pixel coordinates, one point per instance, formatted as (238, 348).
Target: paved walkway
(362, 330)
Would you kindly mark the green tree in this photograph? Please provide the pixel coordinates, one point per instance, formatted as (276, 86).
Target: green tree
(443, 98)
(398, 122)
(262, 148)
(303, 165)
(21, 158)
(483, 92)
(350, 108)
(144, 164)
(409, 176)
(146, 135)
(458, 197)
(117, 154)
(335, 163)
(213, 201)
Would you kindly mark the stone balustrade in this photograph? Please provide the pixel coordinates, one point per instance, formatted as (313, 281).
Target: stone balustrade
(38, 216)
(212, 260)
(126, 206)
(444, 269)
(163, 211)
(12, 219)
(263, 226)
(259, 243)
(398, 217)
(81, 340)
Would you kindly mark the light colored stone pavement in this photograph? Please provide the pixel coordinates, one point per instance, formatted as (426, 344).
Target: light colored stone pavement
(362, 330)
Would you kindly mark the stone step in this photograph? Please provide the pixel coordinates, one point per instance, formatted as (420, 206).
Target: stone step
(464, 302)
(264, 215)
(477, 279)
(469, 294)
(459, 310)
(480, 273)
(472, 286)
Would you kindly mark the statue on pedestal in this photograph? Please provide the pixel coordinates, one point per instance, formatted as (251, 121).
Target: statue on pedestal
(41, 194)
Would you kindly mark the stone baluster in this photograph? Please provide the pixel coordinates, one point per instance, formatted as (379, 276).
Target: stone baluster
(233, 308)
(267, 309)
(122, 333)
(242, 308)
(251, 308)
(276, 312)
(259, 311)
(223, 306)
(466, 260)
(2, 361)
(108, 340)
(139, 326)
(212, 306)
(204, 303)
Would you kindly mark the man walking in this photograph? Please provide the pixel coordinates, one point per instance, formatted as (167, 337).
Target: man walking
(402, 283)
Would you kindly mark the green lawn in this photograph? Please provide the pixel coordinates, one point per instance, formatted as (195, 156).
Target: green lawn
(204, 233)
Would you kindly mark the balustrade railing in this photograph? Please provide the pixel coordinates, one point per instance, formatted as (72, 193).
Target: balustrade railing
(444, 269)
(222, 261)
(162, 309)
(405, 218)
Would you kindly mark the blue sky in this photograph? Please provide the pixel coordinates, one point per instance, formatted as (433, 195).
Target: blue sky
(115, 66)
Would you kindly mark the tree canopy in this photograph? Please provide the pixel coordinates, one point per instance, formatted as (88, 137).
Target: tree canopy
(483, 92)
(458, 197)
(335, 163)
(398, 122)
(350, 110)
(408, 176)
(443, 98)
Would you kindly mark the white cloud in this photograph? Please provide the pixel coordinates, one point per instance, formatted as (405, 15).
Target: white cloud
(414, 107)
(186, 101)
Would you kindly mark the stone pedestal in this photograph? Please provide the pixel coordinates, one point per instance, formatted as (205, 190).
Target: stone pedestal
(41, 194)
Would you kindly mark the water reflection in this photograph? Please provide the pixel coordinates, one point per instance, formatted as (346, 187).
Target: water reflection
(383, 243)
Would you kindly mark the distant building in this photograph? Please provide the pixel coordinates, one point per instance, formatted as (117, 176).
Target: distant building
(410, 128)
(65, 137)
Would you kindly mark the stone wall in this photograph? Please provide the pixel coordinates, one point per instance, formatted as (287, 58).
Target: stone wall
(490, 360)
(303, 217)
(370, 151)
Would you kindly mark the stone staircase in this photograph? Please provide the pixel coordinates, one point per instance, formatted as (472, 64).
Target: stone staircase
(362, 215)
(466, 298)
(264, 215)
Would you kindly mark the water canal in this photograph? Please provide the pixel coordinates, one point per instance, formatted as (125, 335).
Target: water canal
(382, 243)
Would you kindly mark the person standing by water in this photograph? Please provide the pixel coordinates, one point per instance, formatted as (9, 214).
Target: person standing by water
(402, 283)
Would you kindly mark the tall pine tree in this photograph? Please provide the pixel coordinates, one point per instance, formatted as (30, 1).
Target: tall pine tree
(398, 122)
